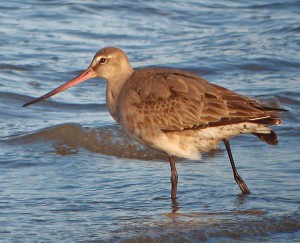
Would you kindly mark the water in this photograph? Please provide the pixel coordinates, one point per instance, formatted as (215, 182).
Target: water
(68, 173)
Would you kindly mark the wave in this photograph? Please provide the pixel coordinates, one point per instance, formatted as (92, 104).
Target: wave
(69, 138)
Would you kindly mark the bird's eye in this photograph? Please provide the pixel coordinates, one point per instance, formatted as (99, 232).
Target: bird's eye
(103, 60)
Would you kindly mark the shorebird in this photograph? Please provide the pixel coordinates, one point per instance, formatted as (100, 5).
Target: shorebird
(175, 111)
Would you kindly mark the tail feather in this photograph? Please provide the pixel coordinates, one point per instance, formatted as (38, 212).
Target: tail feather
(270, 138)
(267, 120)
(266, 108)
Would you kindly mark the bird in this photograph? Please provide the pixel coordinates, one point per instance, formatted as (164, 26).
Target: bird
(176, 111)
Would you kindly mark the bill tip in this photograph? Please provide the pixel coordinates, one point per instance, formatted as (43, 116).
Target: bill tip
(26, 104)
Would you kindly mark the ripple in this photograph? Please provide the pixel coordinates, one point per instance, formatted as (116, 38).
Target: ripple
(266, 64)
(276, 6)
(14, 67)
(205, 227)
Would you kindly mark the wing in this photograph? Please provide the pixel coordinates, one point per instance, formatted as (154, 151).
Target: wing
(174, 100)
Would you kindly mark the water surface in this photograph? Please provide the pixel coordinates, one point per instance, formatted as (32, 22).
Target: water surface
(68, 173)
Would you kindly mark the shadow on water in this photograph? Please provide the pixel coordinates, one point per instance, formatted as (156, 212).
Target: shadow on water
(240, 200)
(175, 205)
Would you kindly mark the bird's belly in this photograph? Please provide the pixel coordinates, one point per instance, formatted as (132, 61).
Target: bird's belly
(184, 144)
(190, 143)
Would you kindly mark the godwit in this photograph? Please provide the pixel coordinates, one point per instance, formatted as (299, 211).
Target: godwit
(175, 111)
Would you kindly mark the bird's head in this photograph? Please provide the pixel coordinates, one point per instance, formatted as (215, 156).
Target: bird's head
(109, 63)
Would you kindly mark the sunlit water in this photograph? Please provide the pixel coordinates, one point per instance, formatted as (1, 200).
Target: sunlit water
(68, 173)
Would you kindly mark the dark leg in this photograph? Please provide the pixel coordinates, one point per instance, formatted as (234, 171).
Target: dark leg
(237, 177)
(174, 177)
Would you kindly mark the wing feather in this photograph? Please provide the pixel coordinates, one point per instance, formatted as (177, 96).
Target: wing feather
(171, 100)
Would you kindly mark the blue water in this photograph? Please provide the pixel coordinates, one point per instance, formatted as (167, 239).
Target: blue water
(68, 173)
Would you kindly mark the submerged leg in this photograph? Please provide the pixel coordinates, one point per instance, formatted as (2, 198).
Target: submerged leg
(174, 178)
(237, 177)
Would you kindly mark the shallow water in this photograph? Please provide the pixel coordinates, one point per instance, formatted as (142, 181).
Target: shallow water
(69, 173)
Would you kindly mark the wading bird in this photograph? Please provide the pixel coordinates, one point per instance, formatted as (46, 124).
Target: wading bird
(175, 111)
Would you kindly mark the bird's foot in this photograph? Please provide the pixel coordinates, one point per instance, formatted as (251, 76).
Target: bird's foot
(244, 188)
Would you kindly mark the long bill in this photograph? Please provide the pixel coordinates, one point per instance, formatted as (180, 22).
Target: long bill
(88, 74)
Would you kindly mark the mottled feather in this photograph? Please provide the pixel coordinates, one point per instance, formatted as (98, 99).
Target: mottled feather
(172, 100)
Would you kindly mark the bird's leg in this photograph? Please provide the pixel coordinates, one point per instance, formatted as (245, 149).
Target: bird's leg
(174, 178)
(237, 177)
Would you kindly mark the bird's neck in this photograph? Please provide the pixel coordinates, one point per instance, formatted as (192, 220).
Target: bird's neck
(113, 90)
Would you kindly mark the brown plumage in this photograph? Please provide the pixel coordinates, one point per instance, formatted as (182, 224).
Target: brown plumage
(174, 100)
(176, 111)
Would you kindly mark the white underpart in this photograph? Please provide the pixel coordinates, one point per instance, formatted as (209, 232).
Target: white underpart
(190, 143)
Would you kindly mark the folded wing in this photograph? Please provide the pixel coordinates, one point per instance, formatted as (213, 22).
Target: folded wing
(172, 100)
